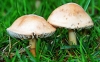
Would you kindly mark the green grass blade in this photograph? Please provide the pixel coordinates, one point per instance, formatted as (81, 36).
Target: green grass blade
(25, 9)
(87, 4)
(18, 55)
(30, 55)
(14, 59)
(81, 50)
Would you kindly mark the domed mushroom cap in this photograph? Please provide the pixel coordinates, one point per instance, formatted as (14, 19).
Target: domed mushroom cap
(28, 26)
(70, 16)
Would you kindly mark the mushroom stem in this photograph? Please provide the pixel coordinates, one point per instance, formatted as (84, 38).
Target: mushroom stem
(72, 37)
(32, 42)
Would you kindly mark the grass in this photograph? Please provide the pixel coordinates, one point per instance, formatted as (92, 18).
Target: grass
(54, 48)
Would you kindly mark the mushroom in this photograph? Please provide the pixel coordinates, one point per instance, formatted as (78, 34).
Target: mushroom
(31, 27)
(70, 16)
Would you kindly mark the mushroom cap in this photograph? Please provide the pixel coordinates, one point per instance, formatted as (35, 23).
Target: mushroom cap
(30, 26)
(71, 16)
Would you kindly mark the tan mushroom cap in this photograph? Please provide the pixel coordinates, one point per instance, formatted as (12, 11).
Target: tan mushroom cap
(30, 26)
(71, 16)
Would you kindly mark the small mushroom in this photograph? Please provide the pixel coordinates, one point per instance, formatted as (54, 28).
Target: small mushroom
(31, 27)
(70, 16)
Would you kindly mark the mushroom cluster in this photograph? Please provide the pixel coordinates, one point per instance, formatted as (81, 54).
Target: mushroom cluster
(70, 16)
(31, 27)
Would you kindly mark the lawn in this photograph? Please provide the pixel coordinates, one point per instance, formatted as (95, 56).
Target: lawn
(56, 47)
